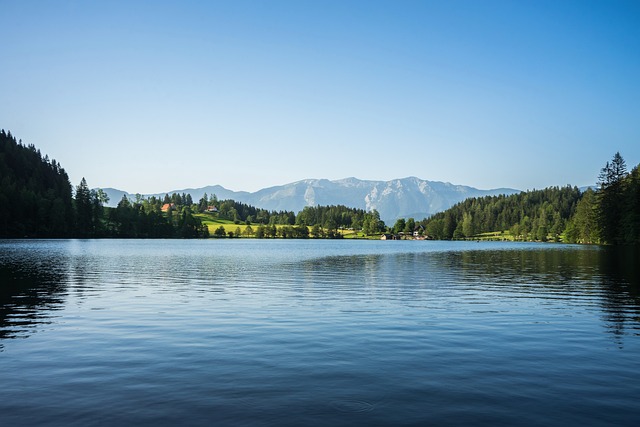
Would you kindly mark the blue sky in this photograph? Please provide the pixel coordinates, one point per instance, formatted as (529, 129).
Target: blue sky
(152, 96)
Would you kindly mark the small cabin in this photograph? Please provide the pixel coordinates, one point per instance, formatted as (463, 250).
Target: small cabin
(168, 206)
(387, 236)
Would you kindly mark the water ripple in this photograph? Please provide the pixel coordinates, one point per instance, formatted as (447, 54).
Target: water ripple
(317, 333)
(352, 405)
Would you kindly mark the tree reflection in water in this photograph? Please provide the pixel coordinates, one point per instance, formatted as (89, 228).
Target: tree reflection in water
(29, 295)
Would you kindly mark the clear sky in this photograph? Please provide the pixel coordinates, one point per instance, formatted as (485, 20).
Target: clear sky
(152, 96)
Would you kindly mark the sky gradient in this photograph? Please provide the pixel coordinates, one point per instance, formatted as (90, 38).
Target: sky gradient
(152, 96)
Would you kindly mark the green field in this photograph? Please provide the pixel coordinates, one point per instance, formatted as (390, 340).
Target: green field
(213, 223)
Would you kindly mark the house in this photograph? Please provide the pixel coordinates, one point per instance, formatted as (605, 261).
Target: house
(212, 209)
(387, 236)
(168, 206)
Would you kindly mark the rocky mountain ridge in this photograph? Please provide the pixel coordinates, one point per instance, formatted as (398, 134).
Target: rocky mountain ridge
(397, 198)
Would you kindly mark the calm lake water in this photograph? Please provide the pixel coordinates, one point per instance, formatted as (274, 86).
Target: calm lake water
(276, 333)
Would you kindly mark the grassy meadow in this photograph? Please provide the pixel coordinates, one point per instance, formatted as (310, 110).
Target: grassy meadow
(213, 222)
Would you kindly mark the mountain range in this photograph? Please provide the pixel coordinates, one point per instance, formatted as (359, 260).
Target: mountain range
(399, 198)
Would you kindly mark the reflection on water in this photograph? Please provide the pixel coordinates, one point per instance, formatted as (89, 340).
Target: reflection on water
(620, 282)
(31, 291)
(607, 278)
(318, 333)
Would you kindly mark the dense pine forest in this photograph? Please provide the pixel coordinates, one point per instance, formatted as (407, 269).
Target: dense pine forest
(531, 215)
(38, 200)
(608, 215)
(35, 193)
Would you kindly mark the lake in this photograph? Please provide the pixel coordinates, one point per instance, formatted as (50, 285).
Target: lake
(304, 332)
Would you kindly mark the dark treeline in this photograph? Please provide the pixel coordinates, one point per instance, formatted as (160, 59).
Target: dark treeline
(608, 215)
(152, 218)
(35, 193)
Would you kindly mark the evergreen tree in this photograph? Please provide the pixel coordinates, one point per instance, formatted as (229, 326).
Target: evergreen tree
(611, 199)
(84, 210)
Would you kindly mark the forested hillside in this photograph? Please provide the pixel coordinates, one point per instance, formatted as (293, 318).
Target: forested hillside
(35, 193)
(531, 215)
(609, 215)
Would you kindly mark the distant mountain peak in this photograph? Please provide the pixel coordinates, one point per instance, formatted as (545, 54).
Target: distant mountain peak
(393, 199)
